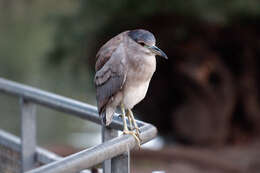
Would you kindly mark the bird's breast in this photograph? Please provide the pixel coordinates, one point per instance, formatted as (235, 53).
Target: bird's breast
(137, 81)
(141, 69)
(133, 94)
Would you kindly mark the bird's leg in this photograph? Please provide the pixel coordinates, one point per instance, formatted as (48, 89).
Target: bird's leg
(123, 117)
(130, 113)
(128, 116)
(126, 131)
(130, 120)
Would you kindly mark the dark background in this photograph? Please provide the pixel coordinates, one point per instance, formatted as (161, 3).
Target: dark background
(206, 96)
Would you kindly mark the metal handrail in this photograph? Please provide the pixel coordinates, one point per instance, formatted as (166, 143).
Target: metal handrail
(86, 158)
(57, 102)
(97, 154)
(13, 142)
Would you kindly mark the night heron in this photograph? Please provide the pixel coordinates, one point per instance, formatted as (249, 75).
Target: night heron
(124, 68)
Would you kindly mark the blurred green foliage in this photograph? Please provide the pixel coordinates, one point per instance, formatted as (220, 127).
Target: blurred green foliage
(27, 31)
(78, 36)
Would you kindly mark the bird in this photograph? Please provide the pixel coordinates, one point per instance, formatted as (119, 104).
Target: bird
(124, 67)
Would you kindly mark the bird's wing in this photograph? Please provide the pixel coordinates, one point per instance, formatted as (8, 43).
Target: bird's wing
(106, 51)
(111, 77)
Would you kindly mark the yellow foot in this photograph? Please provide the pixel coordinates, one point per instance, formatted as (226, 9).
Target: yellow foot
(135, 135)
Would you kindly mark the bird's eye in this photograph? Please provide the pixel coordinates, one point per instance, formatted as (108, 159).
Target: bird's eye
(142, 43)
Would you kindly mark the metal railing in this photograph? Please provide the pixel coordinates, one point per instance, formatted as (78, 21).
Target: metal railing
(113, 152)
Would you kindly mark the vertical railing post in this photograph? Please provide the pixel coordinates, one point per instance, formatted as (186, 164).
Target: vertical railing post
(107, 134)
(28, 134)
(119, 164)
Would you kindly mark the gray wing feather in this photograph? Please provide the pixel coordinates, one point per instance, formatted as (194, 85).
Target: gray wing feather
(110, 78)
(108, 49)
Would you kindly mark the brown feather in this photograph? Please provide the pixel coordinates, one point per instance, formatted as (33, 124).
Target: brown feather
(110, 78)
(106, 51)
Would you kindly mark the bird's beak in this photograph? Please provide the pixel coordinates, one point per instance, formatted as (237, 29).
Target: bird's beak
(158, 51)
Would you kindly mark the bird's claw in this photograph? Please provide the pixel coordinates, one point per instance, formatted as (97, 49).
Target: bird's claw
(135, 135)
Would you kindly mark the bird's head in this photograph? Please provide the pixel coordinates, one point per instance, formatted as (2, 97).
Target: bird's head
(147, 40)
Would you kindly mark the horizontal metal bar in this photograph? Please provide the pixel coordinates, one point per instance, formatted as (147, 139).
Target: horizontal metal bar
(43, 156)
(97, 154)
(13, 142)
(58, 102)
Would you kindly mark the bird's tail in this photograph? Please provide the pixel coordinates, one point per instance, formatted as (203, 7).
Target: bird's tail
(107, 115)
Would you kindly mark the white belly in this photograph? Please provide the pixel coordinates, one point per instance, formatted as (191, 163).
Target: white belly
(134, 94)
(137, 81)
